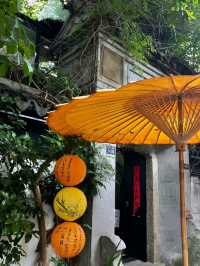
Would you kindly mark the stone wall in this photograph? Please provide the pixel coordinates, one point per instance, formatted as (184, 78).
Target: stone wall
(169, 216)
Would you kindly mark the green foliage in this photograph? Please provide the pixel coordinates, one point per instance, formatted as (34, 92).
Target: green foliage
(116, 257)
(55, 81)
(24, 163)
(14, 223)
(44, 9)
(16, 49)
(170, 28)
(53, 10)
(121, 18)
(59, 262)
(32, 8)
(173, 26)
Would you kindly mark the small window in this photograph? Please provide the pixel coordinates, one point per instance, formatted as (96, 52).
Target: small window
(111, 65)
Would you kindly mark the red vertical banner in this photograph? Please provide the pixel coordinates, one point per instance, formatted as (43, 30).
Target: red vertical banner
(136, 190)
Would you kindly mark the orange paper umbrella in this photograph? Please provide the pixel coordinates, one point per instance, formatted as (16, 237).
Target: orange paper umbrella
(68, 239)
(163, 110)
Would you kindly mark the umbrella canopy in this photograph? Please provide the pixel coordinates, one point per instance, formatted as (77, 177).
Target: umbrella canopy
(143, 112)
(163, 110)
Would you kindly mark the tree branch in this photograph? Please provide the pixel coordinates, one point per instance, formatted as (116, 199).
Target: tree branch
(43, 259)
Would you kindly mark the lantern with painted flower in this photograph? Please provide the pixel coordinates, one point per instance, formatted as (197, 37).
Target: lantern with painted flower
(70, 203)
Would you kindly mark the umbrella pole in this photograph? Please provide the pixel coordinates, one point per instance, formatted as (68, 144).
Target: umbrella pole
(185, 260)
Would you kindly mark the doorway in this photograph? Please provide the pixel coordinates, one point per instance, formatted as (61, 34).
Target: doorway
(131, 201)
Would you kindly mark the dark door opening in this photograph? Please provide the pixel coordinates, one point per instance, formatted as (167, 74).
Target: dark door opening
(132, 205)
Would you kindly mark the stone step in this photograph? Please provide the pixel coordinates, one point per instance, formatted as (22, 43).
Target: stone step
(141, 263)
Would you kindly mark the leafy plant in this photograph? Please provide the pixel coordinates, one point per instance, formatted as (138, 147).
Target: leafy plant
(16, 49)
(115, 257)
(23, 164)
(52, 79)
(167, 29)
(43, 9)
(59, 262)
(26, 181)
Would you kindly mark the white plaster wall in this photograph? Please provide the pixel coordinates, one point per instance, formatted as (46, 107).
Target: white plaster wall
(103, 213)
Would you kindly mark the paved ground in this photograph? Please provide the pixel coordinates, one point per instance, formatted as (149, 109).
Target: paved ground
(139, 263)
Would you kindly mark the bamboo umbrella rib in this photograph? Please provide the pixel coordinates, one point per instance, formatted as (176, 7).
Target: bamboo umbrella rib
(148, 132)
(163, 114)
(160, 123)
(125, 137)
(115, 103)
(173, 83)
(112, 125)
(166, 114)
(188, 110)
(158, 120)
(103, 117)
(138, 132)
(120, 140)
(134, 119)
(195, 118)
(106, 109)
(189, 82)
(128, 131)
(194, 112)
(174, 115)
(192, 117)
(195, 128)
(158, 136)
(119, 137)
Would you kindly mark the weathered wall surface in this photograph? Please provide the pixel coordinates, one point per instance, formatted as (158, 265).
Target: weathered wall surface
(168, 184)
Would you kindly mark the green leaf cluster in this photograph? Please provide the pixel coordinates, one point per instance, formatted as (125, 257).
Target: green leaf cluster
(54, 80)
(44, 9)
(32, 8)
(23, 162)
(17, 51)
(59, 261)
(145, 27)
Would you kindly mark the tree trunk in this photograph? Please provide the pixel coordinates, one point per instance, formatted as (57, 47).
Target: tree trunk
(43, 260)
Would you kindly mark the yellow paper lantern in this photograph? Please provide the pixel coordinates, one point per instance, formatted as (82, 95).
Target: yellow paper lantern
(70, 203)
(68, 239)
(70, 170)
